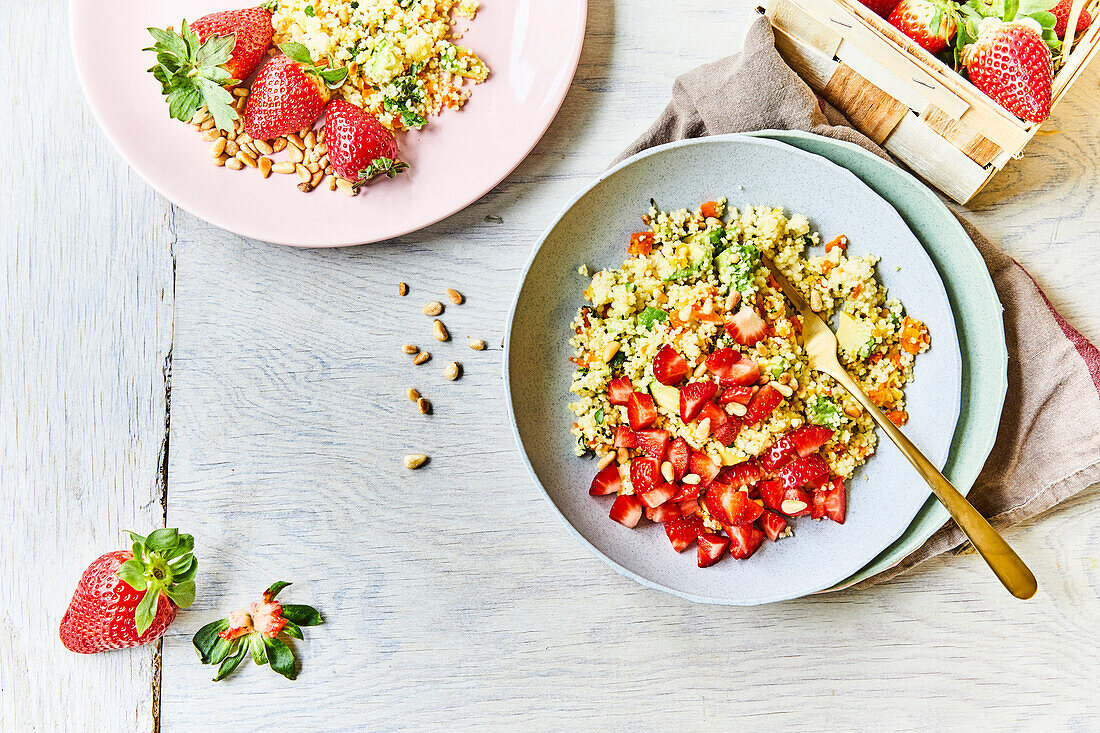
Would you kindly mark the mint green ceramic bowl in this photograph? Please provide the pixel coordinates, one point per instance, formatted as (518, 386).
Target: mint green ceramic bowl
(978, 321)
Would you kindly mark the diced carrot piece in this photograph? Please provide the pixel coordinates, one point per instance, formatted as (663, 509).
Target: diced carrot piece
(709, 209)
(898, 417)
(641, 243)
(840, 242)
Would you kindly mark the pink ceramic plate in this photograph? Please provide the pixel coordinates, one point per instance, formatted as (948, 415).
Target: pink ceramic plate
(531, 46)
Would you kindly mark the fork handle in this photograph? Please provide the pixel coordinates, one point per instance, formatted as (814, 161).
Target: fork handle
(1002, 559)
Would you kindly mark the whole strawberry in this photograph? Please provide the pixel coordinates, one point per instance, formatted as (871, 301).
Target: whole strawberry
(195, 65)
(252, 30)
(1061, 12)
(882, 7)
(289, 94)
(130, 597)
(931, 23)
(359, 147)
(1011, 63)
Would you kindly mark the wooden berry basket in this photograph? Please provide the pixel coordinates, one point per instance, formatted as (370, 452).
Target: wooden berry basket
(904, 98)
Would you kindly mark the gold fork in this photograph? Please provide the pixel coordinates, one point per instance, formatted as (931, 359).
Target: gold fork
(821, 347)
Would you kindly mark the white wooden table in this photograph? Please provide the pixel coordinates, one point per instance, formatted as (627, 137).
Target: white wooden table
(281, 452)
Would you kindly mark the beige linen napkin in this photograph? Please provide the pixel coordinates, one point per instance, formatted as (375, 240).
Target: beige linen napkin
(1048, 445)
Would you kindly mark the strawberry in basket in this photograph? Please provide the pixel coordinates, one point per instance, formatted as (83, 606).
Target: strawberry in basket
(1013, 65)
(931, 23)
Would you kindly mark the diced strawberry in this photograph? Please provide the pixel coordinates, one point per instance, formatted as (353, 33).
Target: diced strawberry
(730, 505)
(801, 471)
(773, 525)
(606, 482)
(801, 442)
(817, 506)
(669, 367)
(625, 437)
(771, 492)
(653, 443)
(796, 502)
(688, 507)
(640, 410)
(693, 396)
(836, 501)
(715, 414)
(645, 473)
(719, 362)
(762, 404)
(666, 512)
(744, 373)
(746, 327)
(744, 540)
(817, 483)
(687, 493)
(704, 468)
(679, 453)
(682, 532)
(808, 438)
(735, 393)
(745, 473)
(626, 510)
(727, 433)
(619, 390)
(710, 547)
(658, 495)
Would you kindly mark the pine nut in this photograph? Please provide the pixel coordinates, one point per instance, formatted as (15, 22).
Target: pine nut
(200, 116)
(415, 460)
(793, 384)
(240, 92)
(606, 460)
(311, 139)
(410, 349)
(346, 187)
(792, 506)
(783, 389)
(245, 158)
(666, 471)
(283, 166)
(454, 371)
(412, 394)
(206, 124)
(708, 307)
(234, 164)
(303, 174)
(211, 135)
(684, 314)
(265, 166)
(331, 182)
(231, 147)
(278, 145)
(263, 147)
(440, 331)
(455, 296)
(691, 479)
(217, 148)
(422, 357)
(852, 411)
(623, 456)
(736, 409)
(316, 179)
(478, 345)
(702, 429)
(402, 289)
(609, 351)
(785, 377)
(220, 160)
(295, 141)
(424, 406)
(700, 370)
(433, 309)
(305, 186)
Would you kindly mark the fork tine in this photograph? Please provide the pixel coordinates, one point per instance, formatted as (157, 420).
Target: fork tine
(795, 297)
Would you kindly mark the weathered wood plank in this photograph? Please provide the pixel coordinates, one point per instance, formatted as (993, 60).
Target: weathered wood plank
(453, 597)
(85, 318)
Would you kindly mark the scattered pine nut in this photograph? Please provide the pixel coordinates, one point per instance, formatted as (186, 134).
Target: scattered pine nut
(211, 134)
(246, 159)
(346, 187)
(609, 351)
(666, 471)
(410, 349)
(440, 331)
(278, 145)
(220, 160)
(623, 456)
(455, 296)
(234, 164)
(454, 371)
(263, 147)
(478, 345)
(700, 370)
(702, 429)
(433, 309)
(402, 289)
(231, 146)
(265, 166)
(217, 148)
(691, 479)
(415, 460)
(422, 357)
(737, 409)
(424, 406)
(412, 394)
(606, 460)
(783, 389)
(305, 186)
(207, 124)
(283, 166)
(240, 92)
(295, 140)
(303, 173)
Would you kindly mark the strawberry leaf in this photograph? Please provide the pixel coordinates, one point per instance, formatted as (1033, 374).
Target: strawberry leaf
(182, 594)
(256, 648)
(219, 102)
(147, 609)
(231, 662)
(302, 615)
(281, 657)
(133, 572)
(1027, 7)
(209, 644)
(274, 589)
(192, 74)
(296, 52)
(334, 77)
(292, 630)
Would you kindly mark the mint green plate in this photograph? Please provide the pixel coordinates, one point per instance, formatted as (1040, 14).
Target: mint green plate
(978, 321)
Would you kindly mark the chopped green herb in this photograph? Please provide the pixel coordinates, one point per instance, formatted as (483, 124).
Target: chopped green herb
(650, 316)
(598, 417)
(823, 411)
(310, 11)
(737, 266)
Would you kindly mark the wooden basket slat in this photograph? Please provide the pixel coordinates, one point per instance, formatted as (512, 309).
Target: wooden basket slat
(871, 110)
(936, 159)
(972, 143)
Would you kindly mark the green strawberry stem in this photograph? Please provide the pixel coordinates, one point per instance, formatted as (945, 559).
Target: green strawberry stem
(192, 74)
(162, 563)
(332, 77)
(225, 644)
(387, 167)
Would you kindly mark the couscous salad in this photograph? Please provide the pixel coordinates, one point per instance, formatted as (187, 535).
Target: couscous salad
(694, 392)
